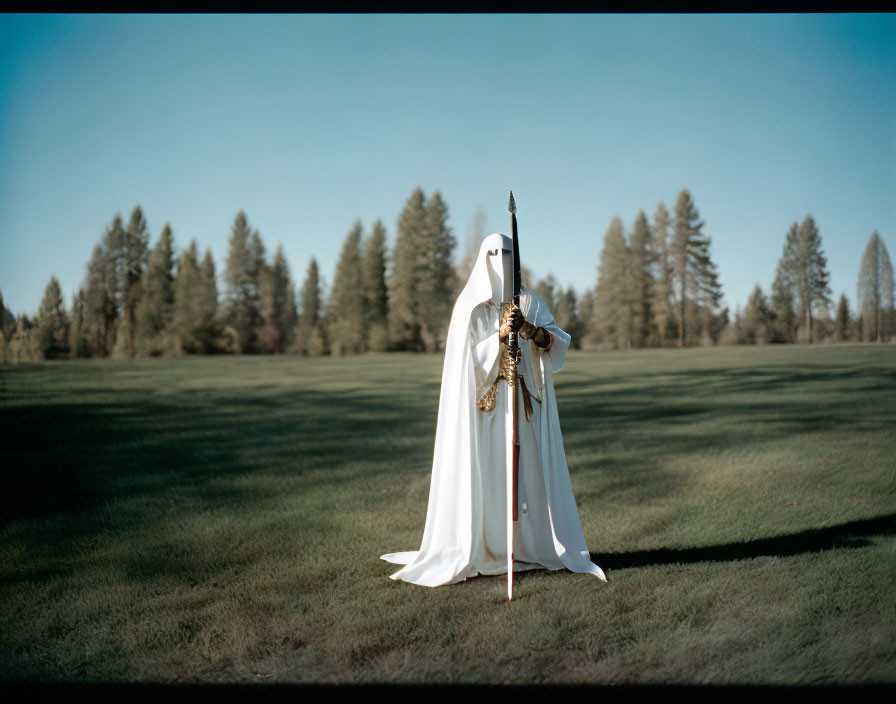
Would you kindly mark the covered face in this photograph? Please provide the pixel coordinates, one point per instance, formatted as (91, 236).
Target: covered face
(497, 251)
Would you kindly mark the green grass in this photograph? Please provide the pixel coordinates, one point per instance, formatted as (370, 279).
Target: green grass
(220, 519)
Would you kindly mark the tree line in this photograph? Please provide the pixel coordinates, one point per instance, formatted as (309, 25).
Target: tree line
(659, 287)
(656, 286)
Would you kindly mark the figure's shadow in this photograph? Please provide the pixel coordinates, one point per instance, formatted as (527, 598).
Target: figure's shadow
(845, 535)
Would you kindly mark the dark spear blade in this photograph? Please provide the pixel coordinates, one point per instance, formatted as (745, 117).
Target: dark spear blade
(511, 206)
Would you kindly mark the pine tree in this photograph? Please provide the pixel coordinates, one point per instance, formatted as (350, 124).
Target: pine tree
(566, 316)
(277, 306)
(548, 289)
(812, 282)
(187, 290)
(875, 290)
(195, 302)
(113, 260)
(242, 274)
(311, 337)
(585, 316)
(408, 267)
(612, 321)
(694, 274)
(783, 299)
(156, 308)
(346, 314)
(100, 295)
(664, 296)
(376, 299)
(127, 249)
(843, 320)
(206, 306)
(437, 283)
(757, 318)
(802, 272)
(52, 322)
(78, 341)
(640, 282)
(7, 321)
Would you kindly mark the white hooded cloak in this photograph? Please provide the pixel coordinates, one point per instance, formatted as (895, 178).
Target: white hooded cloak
(465, 531)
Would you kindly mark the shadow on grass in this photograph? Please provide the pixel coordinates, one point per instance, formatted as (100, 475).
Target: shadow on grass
(845, 535)
(78, 456)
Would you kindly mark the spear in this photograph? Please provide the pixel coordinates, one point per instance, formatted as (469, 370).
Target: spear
(511, 360)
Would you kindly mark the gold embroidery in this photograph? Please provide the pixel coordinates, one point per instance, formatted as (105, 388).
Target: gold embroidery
(490, 397)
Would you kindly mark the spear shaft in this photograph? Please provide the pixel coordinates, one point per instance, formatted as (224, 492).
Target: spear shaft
(512, 453)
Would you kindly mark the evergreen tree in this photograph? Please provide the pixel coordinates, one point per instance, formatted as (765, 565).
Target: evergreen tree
(129, 251)
(735, 333)
(112, 258)
(548, 289)
(52, 322)
(694, 274)
(346, 314)
(155, 311)
(875, 290)
(100, 310)
(409, 261)
(566, 316)
(310, 338)
(7, 321)
(812, 281)
(437, 284)
(585, 316)
(78, 342)
(716, 323)
(843, 321)
(206, 306)
(803, 272)
(757, 318)
(612, 321)
(783, 300)
(664, 296)
(376, 299)
(277, 305)
(186, 289)
(640, 282)
(242, 274)
(187, 295)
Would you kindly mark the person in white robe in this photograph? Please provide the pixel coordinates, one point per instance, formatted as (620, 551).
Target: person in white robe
(465, 533)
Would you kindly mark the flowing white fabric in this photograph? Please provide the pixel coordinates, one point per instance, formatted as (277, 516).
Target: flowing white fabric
(465, 530)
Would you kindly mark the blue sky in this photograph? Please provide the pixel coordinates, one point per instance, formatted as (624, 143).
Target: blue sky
(308, 122)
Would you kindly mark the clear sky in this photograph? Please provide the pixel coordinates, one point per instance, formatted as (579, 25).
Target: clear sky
(308, 122)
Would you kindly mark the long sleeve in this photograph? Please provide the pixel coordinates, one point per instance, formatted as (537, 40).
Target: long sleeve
(486, 346)
(543, 318)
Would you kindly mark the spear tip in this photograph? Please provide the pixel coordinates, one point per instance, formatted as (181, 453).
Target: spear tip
(511, 206)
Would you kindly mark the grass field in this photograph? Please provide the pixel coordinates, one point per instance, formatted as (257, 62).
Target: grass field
(220, 519)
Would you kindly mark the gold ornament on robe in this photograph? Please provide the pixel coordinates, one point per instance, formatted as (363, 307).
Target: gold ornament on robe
(489, 398)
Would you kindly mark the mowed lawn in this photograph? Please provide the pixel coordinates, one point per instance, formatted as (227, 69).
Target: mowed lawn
(221, 519)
